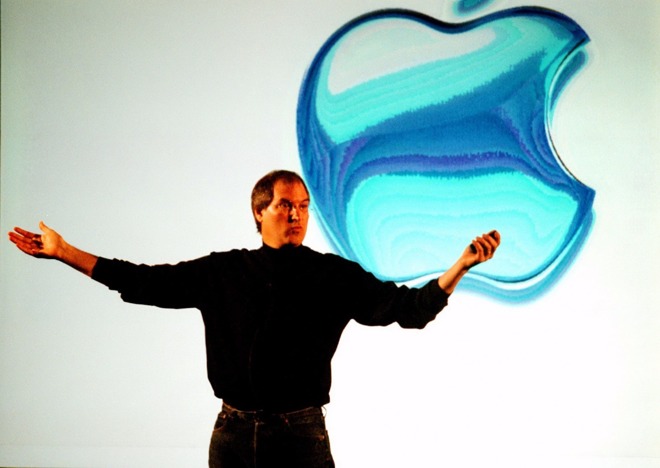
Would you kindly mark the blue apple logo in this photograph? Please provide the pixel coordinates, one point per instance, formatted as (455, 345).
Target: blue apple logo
(415, 135)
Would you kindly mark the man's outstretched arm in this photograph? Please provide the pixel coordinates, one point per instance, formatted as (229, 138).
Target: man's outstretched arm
(49, 244)
(480, 250)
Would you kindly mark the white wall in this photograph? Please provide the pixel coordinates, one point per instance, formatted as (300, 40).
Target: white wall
(137, 129)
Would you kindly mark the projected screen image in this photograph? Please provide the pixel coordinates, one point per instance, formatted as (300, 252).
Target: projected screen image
(137, 131)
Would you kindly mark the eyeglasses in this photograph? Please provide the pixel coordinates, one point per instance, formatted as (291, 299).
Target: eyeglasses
(285, 207)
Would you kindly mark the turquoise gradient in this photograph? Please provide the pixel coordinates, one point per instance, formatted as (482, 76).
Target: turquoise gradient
(416, 135)
(466, 7)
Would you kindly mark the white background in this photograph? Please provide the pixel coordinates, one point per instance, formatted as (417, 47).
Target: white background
(137, 130)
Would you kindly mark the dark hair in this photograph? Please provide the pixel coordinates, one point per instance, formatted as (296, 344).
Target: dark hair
(262, 193)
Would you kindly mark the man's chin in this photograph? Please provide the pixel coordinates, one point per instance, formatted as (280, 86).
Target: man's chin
(296, 242)
(295, 236)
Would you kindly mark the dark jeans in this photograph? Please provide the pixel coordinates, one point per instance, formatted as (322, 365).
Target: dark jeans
(252, 439)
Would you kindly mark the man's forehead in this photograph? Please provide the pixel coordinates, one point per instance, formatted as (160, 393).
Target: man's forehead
(290, 191)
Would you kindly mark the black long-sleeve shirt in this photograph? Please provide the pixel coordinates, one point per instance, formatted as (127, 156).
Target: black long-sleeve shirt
(273, 317)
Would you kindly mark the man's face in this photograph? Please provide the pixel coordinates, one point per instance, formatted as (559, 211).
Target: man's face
(284, 221)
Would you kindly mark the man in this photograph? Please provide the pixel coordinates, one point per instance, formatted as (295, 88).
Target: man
(273, 318)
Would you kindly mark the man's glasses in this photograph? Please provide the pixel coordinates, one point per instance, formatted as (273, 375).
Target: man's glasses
(285, 207)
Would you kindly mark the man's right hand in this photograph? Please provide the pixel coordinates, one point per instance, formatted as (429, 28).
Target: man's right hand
(49, 244)
(45, 245)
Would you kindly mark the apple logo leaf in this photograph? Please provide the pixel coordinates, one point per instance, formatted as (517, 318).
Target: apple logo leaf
(415, 135)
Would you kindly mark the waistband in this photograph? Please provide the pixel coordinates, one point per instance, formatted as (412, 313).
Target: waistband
(264, 414)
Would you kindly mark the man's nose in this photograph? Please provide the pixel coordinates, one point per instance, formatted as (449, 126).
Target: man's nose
(293, 214)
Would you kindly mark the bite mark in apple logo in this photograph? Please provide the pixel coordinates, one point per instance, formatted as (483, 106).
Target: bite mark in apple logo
(415, 134)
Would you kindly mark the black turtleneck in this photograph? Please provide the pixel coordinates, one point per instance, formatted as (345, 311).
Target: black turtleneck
(273, 317)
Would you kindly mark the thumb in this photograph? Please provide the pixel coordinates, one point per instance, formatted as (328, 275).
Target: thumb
(43, 227)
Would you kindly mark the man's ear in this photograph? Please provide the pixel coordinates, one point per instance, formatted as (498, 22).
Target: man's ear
(258, 216)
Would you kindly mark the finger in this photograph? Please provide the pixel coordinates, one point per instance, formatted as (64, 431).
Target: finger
(24, 233)
(492, 241)
(18, 238)
(476, 247)
(489, 244)
(13, 237)
(495, 235)
(29, 247)
(45, 229)
(493, 247)
(24, 248)
(26, 241)
(486, 247)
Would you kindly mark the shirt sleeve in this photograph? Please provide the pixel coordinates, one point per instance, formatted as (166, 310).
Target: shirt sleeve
(379, 302)
(170, 286)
